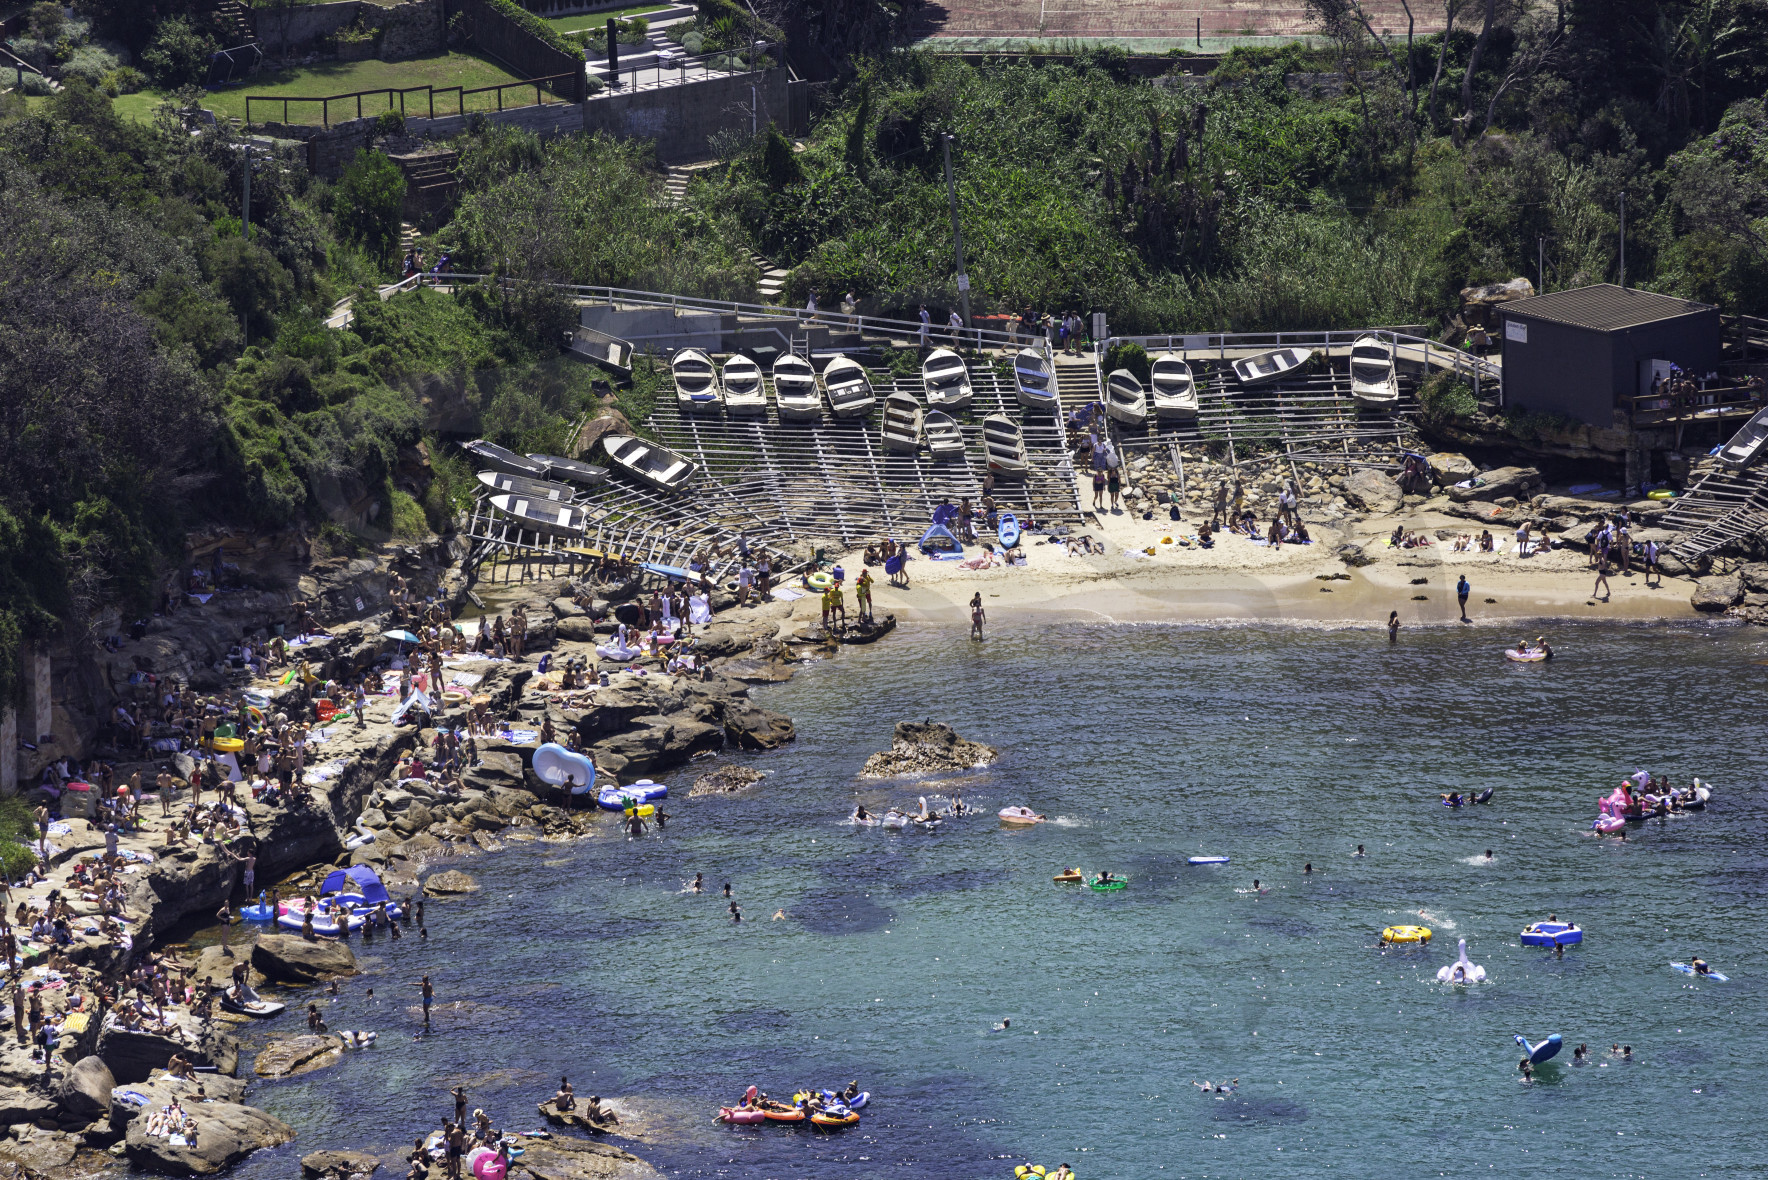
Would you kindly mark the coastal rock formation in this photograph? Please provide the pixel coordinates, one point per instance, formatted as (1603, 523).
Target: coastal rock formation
(289, 958)
(752, 728)
(575, 1159)
(37, 1153)
(24, 1106)
(226, 1132)
(1372, 491)
(577, 1119)
(132, 1054)
(1717, 593)
(449, 883)
(1521, 482)
(337, 1165)
(921, 747)
(725, 780)
(297, 1055)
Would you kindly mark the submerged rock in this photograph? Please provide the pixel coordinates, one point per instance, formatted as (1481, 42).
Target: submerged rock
(337, 1165)
(451, 882)
(297, 1055)
(726, 779)
(922, 747)
(289, 958)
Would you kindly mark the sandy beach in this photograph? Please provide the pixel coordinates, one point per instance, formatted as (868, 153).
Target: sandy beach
(1239, 580)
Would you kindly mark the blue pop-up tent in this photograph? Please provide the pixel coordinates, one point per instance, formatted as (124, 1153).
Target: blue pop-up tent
(356, 879)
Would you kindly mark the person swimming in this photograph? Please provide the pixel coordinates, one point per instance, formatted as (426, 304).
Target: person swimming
(1004, 1025)
(1359, 851)
(699, 882)
(1488, 854)
(1700, 966)
(860, 813)
(1453, 799)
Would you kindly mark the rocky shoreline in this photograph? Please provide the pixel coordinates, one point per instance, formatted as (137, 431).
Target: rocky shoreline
(643, 721)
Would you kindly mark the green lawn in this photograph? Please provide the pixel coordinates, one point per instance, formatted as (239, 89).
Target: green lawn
(138, 108)
(330, 78)
(599, 20)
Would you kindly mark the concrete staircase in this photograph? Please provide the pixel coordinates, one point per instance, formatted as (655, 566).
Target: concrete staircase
(430, 184)
(773, 278)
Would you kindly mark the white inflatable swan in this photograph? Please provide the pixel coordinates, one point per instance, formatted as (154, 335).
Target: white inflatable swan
(1461, 970)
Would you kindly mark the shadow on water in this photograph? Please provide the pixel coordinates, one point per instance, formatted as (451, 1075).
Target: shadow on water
(1270, 1111)
(844, 914)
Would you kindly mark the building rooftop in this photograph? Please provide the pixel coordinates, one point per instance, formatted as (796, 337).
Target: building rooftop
(1603, 307)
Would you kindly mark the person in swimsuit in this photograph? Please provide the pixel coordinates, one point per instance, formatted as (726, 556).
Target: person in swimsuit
(1393, 626)
(566, 1097)
(698, 878)
(1700, 966)
(977, 616)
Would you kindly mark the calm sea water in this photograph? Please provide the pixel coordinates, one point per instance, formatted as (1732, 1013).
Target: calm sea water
(1146, 745)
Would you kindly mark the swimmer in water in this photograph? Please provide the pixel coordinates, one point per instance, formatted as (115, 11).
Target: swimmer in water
(1488, 854)
(727, 888)
(1359, 851)
(699, 879)
(1307, 868)
(736, 914)
(1581, 1052)
(1528, 1070)
(779, 915)
(860, 813)
(1256, 887)
(1453, 799)
(1700, 966)
(1003, 1025)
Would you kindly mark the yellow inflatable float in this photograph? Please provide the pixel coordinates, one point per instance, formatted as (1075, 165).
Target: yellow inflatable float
(1419, 934)
(229, 745)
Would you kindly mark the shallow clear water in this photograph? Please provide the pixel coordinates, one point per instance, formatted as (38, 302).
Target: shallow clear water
(1146, 745)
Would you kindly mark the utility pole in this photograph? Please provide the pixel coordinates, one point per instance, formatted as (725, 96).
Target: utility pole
(1541, 266)
(1623, 239)
(951, 193)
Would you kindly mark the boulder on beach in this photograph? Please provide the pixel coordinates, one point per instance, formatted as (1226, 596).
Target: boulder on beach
(337, 1165)
(1447, 468)
(577, 629)
(1521, 482)
(1717, 593)
(289, 958)
(921, 747)
(450, 882)
(725, 780)
(1372, 491)
(297, 1055)
(85, 1090)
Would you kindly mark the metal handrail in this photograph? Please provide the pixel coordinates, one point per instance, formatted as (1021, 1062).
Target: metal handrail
(631, 80)
(1477, 367)
(460, 92)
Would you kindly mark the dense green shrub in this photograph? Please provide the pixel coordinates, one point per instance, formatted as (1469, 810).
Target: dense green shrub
(1445, 399)
(367, 203)
(178, 55)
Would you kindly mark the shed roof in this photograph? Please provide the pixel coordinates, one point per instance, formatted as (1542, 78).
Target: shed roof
(1603, 307)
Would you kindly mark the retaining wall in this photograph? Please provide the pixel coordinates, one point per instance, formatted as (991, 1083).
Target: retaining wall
(407, 30)
(683, 119)
(491, 32)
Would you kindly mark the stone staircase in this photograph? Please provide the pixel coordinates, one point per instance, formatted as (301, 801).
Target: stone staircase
(773, 278)
(233, 24)
(430, 184)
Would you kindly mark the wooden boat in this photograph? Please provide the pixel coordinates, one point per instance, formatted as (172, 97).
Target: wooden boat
(743, 392)
(1268, 366)
(850, 390)
(1004, 443)
(534, 489)
(602, 350)
(944, 440)
(794, 390)
(503, 459)
(545, 516)
(1172, 388)
(1125, 399)
(902, 423)
(1034, 381)
(648, 462)
(1374, 384)
(559, 467)
(947, 380)
(696, 381)
(1746, 445)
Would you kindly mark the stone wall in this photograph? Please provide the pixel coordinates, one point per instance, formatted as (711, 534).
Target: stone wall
(682, 120)
(407, 29)
(554, 118)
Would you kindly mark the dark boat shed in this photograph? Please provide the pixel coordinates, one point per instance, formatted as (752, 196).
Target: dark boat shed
(1586, 353)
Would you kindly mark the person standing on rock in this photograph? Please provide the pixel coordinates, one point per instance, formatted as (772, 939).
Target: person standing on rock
(1462, 590)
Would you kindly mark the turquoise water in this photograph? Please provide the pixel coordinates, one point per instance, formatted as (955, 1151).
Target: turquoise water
(1146, 745)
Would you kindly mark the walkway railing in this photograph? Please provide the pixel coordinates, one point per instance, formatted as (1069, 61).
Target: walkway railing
(669, 71)
(424, 105)
(1408, 346)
